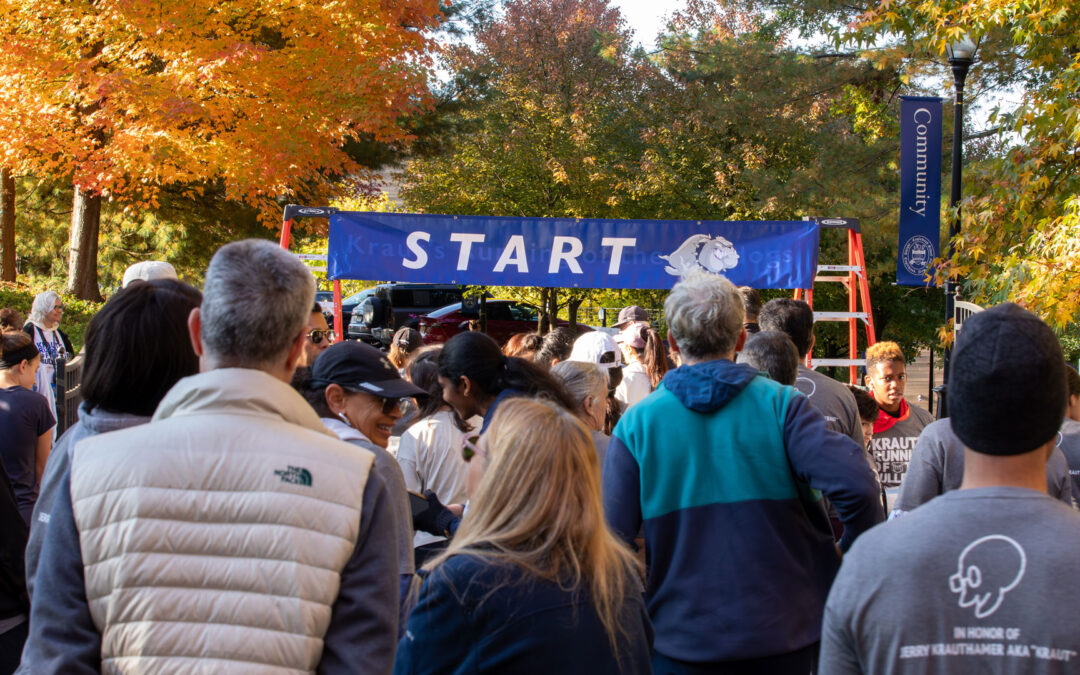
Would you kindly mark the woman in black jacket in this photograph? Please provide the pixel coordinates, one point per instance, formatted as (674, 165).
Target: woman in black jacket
(533, 581)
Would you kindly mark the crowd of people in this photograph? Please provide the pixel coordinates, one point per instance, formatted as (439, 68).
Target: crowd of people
(243, 493)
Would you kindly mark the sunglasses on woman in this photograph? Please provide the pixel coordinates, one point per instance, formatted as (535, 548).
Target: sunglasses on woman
(316, 336)
(387, 404)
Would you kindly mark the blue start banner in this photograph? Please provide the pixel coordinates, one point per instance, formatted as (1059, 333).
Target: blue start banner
(568, 252)
(920, 188)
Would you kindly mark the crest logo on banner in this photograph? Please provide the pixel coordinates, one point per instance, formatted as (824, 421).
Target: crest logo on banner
(917, 254)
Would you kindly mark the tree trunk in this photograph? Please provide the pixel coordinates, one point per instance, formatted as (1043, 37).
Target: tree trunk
(7, 225)
(543, 322)
(83, 253)
(553, 307)
(572, 310)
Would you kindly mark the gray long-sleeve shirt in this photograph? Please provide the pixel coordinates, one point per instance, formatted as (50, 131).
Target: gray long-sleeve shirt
(937, 467)
(361, 637)
(91, 422)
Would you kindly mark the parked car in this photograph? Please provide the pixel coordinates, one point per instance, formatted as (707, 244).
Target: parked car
(326, 301)
(504, 319)
(388, 307)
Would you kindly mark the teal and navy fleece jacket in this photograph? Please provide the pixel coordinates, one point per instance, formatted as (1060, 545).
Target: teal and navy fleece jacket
(726, 468)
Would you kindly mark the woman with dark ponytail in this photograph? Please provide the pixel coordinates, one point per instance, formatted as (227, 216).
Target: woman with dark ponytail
(646, 361)
(476, 377)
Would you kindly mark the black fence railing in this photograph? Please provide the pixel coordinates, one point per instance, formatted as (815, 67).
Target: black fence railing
(68, 376)
(606, 316)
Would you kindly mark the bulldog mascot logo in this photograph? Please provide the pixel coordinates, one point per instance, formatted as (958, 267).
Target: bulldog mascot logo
(712, 254)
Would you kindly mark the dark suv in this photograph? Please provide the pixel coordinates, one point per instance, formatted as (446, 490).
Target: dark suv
(389, 307)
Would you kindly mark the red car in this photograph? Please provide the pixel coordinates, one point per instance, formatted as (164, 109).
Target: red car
(504, 319)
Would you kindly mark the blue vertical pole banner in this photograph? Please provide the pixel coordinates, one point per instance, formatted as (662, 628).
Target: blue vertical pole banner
(568, 252)
(920, 188)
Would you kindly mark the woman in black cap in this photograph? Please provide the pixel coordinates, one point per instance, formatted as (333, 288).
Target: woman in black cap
(359, 395)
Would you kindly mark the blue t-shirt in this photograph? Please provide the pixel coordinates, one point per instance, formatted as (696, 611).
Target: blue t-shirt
(24, 416)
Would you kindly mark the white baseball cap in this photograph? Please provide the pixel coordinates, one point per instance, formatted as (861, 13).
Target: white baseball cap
(148, 270)
(596, 347)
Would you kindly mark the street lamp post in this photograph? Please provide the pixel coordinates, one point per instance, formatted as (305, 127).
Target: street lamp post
(961, 54)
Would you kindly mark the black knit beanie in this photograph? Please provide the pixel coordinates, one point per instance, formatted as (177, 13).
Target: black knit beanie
(1007, 389)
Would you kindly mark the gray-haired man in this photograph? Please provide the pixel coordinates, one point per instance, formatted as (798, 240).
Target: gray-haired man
(724, 468)
(232, 531)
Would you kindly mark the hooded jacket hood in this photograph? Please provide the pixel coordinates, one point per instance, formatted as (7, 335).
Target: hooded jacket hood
(707, 387)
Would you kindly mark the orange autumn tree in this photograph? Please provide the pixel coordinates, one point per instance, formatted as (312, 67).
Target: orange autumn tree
(258, 99)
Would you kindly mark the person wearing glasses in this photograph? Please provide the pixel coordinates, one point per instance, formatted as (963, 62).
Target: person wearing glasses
(319, 336)
(360, 395)
(534, 581)
(43, 327)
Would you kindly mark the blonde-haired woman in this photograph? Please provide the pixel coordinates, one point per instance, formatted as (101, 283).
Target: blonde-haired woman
(533, 581)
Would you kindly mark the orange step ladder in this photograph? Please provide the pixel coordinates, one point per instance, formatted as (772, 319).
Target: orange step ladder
(853, 277)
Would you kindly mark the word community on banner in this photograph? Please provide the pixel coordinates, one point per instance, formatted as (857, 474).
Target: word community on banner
(920, 188)
(568, 252)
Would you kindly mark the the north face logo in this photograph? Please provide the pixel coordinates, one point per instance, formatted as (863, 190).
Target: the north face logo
(295, 475)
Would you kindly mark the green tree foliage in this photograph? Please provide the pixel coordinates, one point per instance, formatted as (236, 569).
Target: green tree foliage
(1021, 215)
(556, 115)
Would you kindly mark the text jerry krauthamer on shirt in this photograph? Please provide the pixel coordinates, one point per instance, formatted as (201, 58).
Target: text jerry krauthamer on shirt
(975, 581)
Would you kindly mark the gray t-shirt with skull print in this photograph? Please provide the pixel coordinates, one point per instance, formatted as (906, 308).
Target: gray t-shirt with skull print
(974, 581)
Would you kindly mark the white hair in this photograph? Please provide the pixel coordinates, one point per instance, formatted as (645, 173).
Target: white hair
(43, 304)
(704, 313)
(581, 379)
(256, 300)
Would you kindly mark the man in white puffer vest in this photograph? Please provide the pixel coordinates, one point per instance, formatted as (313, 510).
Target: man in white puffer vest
(233, 533)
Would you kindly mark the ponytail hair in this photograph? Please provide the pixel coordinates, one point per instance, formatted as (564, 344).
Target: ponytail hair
(652, 355)
(478, 357)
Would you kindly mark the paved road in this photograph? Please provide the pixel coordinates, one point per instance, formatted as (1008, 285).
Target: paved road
(918, 380)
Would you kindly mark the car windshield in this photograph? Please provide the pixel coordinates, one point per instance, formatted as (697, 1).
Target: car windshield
(357, 298)
(443, 311)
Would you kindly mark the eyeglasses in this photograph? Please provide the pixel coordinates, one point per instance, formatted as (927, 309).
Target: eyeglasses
(58, 307)
(469, 447)
(390, 404)
(316, 336)
(387, 404)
